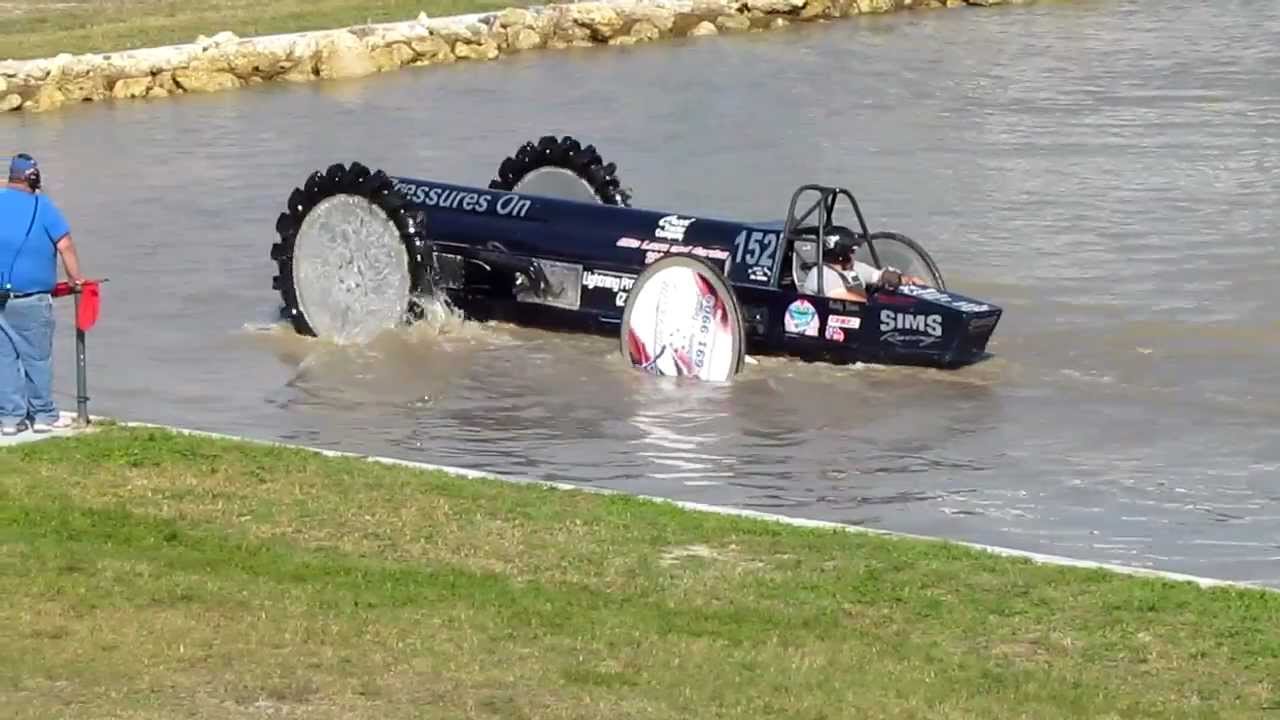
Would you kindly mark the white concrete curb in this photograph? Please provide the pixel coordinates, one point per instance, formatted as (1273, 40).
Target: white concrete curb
(721, 510)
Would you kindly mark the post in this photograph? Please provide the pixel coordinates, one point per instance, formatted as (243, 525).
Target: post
(82, 382)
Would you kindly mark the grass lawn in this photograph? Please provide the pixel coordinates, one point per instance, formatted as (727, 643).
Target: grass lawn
(154, 575)
(44, 28)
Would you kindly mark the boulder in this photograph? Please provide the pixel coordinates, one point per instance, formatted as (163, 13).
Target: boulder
(205, 81)
(733, 23)
(515, 17)
(304, 70)
(622, 40)
(777, 7)
(523, 38)
(393, 56)
(4, 86)
(47, 97)
(135, 87)
(343, 55)
(84, 89)
(660, 17)
(702, 29)
(432, 50)
(875, 6)
(600, 19)
(157, 92)
(165, 82)
(10, 102)
(487, 50)
(645, 31)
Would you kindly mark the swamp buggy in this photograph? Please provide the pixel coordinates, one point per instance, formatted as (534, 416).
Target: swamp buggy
(553, 241)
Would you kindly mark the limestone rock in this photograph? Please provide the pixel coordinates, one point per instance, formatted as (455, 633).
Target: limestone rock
(702, 29)
(221, 38)
(204, 81)
(875, 6)
(393, 56)
(344, 56)
(645, 31)
(816, 8)
(85, 89)
(165, 82)
(10, 102)
(523, 38)
(157, 92)
(487, 50)
(778, 23)
(302, 71)
(623, 40)
(572, 35)
(602, 20)
(432, 50)
(660, 17)
(248, 59)
(515, 17)
(131, 87)
(733, 23)
(47, 97)
(772, 7)
(4, 86)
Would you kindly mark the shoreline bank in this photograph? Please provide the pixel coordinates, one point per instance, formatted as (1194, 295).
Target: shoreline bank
(155, 572)
(1034, 557)
(225, 61)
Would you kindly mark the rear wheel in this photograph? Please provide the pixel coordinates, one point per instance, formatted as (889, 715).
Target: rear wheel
(561, 168)
(351, 255)
(683, 319)
(901, 253)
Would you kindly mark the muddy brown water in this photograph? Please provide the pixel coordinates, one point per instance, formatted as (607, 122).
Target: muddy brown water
(1106, 171)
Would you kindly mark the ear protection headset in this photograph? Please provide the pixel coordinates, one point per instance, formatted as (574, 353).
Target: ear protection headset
(31, 176)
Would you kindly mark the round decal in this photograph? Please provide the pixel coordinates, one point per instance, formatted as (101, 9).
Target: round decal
(801, 318)
(682, 320)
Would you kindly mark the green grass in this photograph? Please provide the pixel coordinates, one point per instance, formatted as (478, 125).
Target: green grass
(152, 575)
(44, 28)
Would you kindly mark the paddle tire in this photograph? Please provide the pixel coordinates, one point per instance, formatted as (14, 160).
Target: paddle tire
(561, 167)
(683, 319)
(352, 252)
(896, 249)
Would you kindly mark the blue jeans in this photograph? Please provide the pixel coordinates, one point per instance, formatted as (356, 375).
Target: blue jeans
(26, 360)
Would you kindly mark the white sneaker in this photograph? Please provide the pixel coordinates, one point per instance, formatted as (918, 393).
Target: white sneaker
(42, 427)
(11, 430)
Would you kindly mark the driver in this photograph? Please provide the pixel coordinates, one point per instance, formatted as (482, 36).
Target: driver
(845, 278)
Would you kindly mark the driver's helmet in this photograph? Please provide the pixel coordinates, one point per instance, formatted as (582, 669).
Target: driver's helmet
(839, 244)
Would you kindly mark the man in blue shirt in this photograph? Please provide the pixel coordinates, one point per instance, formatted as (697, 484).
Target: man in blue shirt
(33, 234)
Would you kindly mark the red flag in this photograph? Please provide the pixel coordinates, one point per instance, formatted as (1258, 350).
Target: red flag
(87, 313)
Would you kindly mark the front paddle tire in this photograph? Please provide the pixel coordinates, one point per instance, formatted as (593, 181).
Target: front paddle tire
(352, 255)
(683, 319)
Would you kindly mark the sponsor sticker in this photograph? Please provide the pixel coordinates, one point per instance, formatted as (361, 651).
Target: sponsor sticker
(655, 250)
(504, 204)
(801, 318)
(891, 320)
(928, 293)
(835, 333)
(844, 321)
(680, 326)
(672, 227)
(617, 283)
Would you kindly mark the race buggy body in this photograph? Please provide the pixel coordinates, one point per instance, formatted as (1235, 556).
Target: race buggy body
(553, 241)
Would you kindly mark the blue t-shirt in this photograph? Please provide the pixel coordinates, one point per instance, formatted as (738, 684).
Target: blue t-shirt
(29, 260)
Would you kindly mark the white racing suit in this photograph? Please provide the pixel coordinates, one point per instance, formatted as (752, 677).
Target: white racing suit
(860, 277)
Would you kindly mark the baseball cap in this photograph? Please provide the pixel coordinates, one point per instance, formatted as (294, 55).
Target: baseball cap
(21, 164)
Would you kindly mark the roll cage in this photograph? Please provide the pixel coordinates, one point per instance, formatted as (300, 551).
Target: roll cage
(804, 241)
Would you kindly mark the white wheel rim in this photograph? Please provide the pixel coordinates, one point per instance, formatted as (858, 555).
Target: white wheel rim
(350, 270)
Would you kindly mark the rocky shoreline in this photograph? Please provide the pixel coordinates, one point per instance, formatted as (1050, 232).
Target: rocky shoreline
(225, 61)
